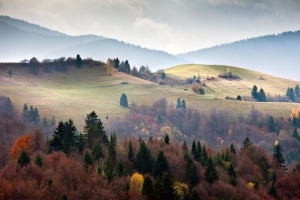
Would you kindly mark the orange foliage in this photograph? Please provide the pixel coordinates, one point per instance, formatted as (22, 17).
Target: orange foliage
(21, 143)
(195, 88)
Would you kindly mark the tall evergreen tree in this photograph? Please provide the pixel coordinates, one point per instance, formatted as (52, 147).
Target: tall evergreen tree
(69, 136)
(246, 143)
(24, 158)
(278, 154)
(271, 125)
(91, 119)
(254, 92)
(120, 169)
(97, 151)
(80, 142)
(297, 91)
(116, 63)
(178, 105)
(126, 67)
(78, 61)
(108, 169)
(194, 151)
(232, 149)
(211, 174)
(161, 165)
(39, 160)
(148, 189)
(204, 156)
(167, 185)
(183, 105)
(167, 139)
(199, 150)
(25, 113)
(123, 101)
(290, 94)
(163, 75)
(261, 96)
(184, 147)
(112, 148)
(191, 170)
(144, 159)
(130, 152)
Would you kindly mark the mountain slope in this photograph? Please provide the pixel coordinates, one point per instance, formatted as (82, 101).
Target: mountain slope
(274, 54)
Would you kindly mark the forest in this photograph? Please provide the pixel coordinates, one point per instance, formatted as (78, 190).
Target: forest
(98, 164)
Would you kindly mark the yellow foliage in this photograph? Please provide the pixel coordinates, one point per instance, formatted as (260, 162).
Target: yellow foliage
(136, 182)
(145, 131)
(228, 70)
(166, 130)
(181, 190)
(136, 128)
(276, 142)
(250, 185)
(226, 165)
(295, 112)
(21, 143)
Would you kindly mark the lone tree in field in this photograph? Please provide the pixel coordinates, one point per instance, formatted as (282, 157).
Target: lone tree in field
(10, 73)
(123, 100)
(78, 61)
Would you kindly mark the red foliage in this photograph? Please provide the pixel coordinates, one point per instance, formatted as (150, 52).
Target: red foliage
(289, 186)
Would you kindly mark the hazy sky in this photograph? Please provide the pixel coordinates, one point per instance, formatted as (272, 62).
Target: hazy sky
(174, 26)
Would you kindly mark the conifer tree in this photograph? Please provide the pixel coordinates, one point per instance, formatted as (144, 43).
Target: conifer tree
(211, 174)
(178, 105)
(278, 154)
(161, 165)
(120, 169)
(183, 105)
(39, 160)
(204, 156)
(195, 195)
(297, 91)
(295, 134)
(91, 119)
(124, 101)
(246, 143)
(87, 159)
(78, 61)
(163, 75)
(184, 147)
(112, 148)
(254, 92)
(148, 189)
(199, 150)
(261, 96)
(116, 63)
(232, 149)
(271, 125)
(191, 170)
(167, 139)
(144, 159)
(126, 67)
(195, 151)
(167, 185)
(108, 169)
(24, 158)
(97, 151)
(130, 152)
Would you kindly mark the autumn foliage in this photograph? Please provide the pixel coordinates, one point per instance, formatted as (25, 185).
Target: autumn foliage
(22, 143)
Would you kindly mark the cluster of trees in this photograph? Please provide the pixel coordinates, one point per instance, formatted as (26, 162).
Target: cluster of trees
(198, 89)
(259, 96)
(293, 93)
(228, 75)
(194, 79)
(125, 67)
(181, 105)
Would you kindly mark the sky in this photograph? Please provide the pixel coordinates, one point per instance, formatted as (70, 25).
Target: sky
(174, 26)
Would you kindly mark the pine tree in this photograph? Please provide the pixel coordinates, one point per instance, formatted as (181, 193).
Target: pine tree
(246, 143)
(123, 101)
(239, 98)
(10, 73)
(278, 155)
(271, 125)
(97, 151)
(211, 174)
(80, 142)
(163, 75)
(254, 92)
(116, 63)
(78, 61)
(191, 170)
(167, 139)
(39, 160)
(130, 152)
(195, 151)
(144, 159)
(178, 105)
(167, 185)
(232, 149)
(91, 119)
(126, 67)
(183, 105)
(199, 150)
(291, 95)
(108, 169)
(204, 156)
(45, 123)
(69, 136)
(24, 158)
(112, 148)
(120, 169)
(87, 159)
(297, 91)
(161, 165)
(261, 96)
(148, 189)
(295, 134)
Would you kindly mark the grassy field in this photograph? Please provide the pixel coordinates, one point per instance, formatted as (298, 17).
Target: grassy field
(77, 92)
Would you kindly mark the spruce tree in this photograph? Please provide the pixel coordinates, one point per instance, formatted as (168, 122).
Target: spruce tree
(246, 143)
(261, 96)
(78, 61)
(148, 189)
(144, 159)
(184, 147)
(183, 105)
(178, 105)
(167, 139)
(199, 150)
(163, 75)
(120, 169)
(39, 160)
(167, 185)
(297, 91)
(112, 148)
(126, 67)
(116, 63)
(271, 125)
(124, 101)
(204, 156)
(195, 151)
(295, 134)
(24, 158)
(254, 92)
(130, 152)
(87, 159)
(91, 119)
(232, 149)
(108, 169)
(278, 154)
(211, 174)
(191, 170)
(69, 136)
(161, 165)
(97, 151)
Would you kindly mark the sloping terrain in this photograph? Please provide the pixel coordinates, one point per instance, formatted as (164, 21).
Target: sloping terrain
(76, 92)
(273, 54)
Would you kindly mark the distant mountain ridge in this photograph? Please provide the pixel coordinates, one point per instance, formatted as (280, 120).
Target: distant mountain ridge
(278, 55)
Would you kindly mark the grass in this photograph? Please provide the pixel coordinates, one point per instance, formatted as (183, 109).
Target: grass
(79, 91)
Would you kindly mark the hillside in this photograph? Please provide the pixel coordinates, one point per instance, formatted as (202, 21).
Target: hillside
(274, 54)
(76, 92)
(22, 40)
(220, 87)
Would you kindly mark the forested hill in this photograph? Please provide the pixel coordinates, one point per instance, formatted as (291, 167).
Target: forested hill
(21, 40)
(274, 54)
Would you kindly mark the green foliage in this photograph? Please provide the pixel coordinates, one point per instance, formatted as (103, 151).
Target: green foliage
(120, 169)
(163, 75)
(123, 101)
(144, 159)
(204, 156)
(108, 169)
(201, 91)
(195, 151)
(148, 189)
(278, 154)
(195, 195)
(78, 61)
(254, 92)
(116, 63)
(112, 148)
(80, 142)
(184, 147)
(24, 158)
(178, 105)
(39, 160)
(246, 143)
(97, 151)
(191, 170)
(232, 149)
(239, 98)
(161, 165)
(167, 185)
(130, 152)
(271, 125)
(290, 94)
(183, 105)
(167, 139)
(259, 96)
(87, 158)
(211, 174)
